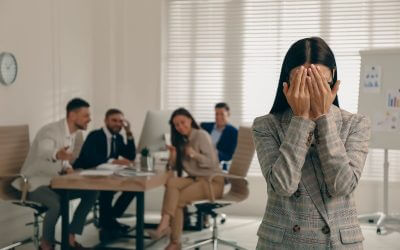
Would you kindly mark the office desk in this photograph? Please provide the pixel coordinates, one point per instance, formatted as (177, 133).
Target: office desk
(138, 184)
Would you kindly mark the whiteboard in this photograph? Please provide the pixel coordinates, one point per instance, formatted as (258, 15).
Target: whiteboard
(379, 95)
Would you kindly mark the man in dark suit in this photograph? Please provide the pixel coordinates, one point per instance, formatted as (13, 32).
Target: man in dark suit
(106, 145)
(224, 135)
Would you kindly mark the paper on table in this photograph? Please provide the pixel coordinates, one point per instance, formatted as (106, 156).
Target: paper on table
(129, 172)
(96, 172)
(109, 166)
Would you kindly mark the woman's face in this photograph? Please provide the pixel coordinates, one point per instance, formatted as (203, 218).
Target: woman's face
(183, 124)
(326, 72)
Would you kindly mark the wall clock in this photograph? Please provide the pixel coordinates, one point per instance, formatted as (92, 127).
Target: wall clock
(8, 68)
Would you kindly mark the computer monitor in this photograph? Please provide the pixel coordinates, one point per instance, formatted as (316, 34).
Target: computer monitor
(155, 128)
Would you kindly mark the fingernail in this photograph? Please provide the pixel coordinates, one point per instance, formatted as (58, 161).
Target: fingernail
(318, 67)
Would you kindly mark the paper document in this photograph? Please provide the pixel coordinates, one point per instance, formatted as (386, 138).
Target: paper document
(96, 172)
(110, 166)
(130, 172)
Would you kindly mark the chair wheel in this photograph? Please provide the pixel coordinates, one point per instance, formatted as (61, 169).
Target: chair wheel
(223, 220)
(379, 231)
(197, 248)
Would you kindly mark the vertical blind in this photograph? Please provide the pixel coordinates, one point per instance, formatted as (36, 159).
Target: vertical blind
(232, 51)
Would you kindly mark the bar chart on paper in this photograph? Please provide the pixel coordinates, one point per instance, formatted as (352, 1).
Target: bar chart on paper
(393, 100)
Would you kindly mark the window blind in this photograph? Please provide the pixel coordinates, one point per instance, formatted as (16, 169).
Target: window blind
(232, 51)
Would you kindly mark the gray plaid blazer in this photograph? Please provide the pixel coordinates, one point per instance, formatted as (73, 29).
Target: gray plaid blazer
(311, 169)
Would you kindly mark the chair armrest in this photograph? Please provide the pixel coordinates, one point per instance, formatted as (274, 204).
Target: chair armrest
(226, 175)
(24, 188)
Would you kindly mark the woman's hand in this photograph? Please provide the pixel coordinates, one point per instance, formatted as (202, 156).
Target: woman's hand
(189, 151)
(172, 154)
(321, 95)
(297, 94)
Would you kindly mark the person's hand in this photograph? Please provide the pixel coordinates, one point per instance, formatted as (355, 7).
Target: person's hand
(127, 126)
(297, 94)
(171, 149)
(189, 151)
(122, 161)
(63, 154)
(321, 94)
(172, 154)
(69, 170)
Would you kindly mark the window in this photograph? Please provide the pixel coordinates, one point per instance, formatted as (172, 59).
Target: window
(231, 50)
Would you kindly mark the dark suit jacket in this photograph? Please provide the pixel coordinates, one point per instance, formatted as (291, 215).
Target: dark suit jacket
(94, 149)
(227, 142)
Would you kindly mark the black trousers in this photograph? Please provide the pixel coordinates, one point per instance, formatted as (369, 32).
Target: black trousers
(109, 212)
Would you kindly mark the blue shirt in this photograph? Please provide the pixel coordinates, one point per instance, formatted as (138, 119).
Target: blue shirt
(216, 134)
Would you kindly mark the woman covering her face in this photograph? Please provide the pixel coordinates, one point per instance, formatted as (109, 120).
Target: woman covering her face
(312, 154)
(192, 152)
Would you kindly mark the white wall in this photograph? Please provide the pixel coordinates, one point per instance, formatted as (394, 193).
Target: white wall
(127, 41)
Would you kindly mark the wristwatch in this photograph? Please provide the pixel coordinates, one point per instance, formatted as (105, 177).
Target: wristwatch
(129, 136)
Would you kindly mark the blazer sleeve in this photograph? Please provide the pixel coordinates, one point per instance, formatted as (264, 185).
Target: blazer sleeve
(128, 150)
(281, 163)
(342, 163)
(90, 155)
(46, 147)
(227, 147)
(206, 157)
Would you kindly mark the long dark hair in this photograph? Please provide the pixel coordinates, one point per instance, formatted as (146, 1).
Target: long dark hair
(178, 140)
(308, 50)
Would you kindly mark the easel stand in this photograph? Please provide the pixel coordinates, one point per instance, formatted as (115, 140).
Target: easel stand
(382, 218)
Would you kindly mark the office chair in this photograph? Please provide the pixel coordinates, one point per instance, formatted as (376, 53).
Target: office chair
(197, 220)
(238, 192)
(14, 147)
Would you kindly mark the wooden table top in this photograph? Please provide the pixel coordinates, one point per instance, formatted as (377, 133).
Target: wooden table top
(111, 182)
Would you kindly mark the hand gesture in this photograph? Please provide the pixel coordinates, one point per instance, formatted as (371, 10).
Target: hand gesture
(189, 151)
(127, 126)
(321, 95)
(297, 94)
(63, 154)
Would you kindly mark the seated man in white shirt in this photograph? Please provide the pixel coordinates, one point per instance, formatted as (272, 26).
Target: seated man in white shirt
(51, 154)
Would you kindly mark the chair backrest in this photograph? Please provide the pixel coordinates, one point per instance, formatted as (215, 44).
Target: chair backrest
(244, 153)
(14, 147)
(241, 162)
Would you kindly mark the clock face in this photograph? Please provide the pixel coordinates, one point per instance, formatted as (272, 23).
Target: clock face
(8, 68)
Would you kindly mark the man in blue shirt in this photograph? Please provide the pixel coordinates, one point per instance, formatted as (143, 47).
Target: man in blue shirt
(223, 134)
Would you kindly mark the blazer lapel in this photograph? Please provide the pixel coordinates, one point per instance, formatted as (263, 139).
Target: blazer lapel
(309, 177)
(309, 180)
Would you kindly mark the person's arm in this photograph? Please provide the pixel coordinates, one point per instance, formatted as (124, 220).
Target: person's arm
(90, 154)
(342, 163)
(281, 162)
(227, 148)
(128, 150)
(206, 153)
(47, 149)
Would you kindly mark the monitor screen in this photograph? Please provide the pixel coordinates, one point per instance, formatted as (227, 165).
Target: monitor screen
(155, 130)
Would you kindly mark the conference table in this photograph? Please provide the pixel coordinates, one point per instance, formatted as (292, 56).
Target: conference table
(139, 183)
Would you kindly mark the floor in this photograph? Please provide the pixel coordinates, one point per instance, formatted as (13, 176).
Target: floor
(241, 229)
